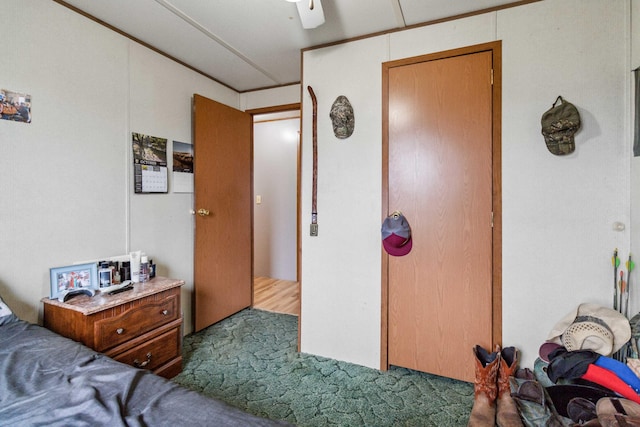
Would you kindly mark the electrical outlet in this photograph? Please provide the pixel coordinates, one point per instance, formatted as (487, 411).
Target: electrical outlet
(314, 230)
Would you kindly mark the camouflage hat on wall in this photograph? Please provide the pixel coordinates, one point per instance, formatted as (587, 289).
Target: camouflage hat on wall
(559, 125)
(342, 117)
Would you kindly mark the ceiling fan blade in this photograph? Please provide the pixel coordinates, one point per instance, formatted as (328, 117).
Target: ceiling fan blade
(311, 13)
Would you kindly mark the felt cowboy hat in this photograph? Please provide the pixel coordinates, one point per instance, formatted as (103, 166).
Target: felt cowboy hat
(592, 327)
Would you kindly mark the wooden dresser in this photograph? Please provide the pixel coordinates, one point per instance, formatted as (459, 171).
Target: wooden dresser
(141, 327)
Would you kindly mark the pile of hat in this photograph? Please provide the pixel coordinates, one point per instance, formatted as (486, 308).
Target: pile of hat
(584, 383)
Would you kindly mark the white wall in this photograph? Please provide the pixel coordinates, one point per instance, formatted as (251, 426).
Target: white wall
(557, 212)
(635, 161)
(66, 191)
(63, 177)
(341, 266)
(275, 172)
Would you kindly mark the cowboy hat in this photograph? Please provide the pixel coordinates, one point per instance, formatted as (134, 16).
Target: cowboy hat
(592, 327)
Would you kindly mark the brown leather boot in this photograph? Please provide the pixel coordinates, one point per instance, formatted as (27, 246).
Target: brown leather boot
(485, 388)
(507, 413)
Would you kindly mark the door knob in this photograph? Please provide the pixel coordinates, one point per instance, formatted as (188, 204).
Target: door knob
(203, 212)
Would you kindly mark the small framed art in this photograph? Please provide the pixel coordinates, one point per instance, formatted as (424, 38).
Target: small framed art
(73, 277)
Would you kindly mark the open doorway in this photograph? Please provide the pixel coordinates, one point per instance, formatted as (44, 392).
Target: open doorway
(276, 149)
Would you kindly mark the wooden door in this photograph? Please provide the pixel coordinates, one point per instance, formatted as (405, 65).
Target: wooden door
(223, 231)
(441, 176)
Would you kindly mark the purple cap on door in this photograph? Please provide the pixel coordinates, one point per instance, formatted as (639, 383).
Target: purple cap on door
(396, 235)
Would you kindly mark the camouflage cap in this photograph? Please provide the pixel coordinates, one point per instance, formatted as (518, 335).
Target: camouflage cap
(559, 125)
(342, 117)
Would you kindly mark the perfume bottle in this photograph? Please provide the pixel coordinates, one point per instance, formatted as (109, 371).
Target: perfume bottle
(144, 269)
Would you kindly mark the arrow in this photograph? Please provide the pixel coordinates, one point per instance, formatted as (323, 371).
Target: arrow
(630, 266)
(615, 261)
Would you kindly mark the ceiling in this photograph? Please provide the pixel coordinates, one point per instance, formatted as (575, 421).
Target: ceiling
(254, 44)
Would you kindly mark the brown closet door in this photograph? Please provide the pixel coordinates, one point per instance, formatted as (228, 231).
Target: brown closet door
(440, 178)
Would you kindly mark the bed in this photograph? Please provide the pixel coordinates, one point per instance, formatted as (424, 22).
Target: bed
(46, 379)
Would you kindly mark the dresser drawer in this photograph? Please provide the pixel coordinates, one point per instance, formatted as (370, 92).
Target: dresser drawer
(135, 321)
(153, 353)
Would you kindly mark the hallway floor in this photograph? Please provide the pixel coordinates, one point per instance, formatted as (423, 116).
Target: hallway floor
(275, 295)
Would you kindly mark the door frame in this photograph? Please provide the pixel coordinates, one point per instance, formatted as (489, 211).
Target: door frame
(496, 49)
(280, 109)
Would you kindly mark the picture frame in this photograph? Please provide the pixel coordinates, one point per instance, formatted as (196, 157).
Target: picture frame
(73, 277)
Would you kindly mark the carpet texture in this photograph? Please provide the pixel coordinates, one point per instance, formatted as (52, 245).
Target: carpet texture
(249, 360)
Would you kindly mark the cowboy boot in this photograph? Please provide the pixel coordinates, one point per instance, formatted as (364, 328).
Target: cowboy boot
(485, 388)
(507, 413)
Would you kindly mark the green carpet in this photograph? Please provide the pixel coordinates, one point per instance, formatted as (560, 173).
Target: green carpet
(249, 360)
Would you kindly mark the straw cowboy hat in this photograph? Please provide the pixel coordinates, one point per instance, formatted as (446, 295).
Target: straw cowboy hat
(592, 327)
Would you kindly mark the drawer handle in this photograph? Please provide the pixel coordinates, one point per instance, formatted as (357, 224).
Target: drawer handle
(165, 312)
(119, 331)
(139, 364)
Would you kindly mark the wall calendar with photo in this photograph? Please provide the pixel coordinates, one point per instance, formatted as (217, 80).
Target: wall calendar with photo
(149, 163)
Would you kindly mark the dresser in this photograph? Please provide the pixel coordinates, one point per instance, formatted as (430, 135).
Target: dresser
(141, 327)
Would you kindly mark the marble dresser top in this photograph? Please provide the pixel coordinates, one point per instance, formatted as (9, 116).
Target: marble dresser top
(89, 305)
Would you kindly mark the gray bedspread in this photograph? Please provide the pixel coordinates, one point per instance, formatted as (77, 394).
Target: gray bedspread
(49, 380)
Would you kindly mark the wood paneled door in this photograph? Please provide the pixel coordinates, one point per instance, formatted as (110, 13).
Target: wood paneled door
(223, 265)
(443, 173)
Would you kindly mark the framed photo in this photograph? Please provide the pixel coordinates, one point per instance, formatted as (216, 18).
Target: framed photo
(79, 276)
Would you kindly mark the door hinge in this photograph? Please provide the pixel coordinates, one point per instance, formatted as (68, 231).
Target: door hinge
(491, 219)
(492, 77)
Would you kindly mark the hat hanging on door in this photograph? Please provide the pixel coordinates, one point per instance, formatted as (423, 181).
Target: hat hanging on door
(396, 235)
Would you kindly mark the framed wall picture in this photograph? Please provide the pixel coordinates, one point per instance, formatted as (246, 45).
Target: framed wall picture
(15, 106)
(182, 167)
(73, 277)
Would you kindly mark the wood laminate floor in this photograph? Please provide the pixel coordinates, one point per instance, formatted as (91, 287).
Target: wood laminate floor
(279, 296)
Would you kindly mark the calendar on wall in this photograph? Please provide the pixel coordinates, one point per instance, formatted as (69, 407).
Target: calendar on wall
(149, 163)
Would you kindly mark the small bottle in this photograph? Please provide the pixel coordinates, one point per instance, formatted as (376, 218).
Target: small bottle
(105, 275)
(144, 268)
(125, 273)
(135, 266)
(152, 269)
